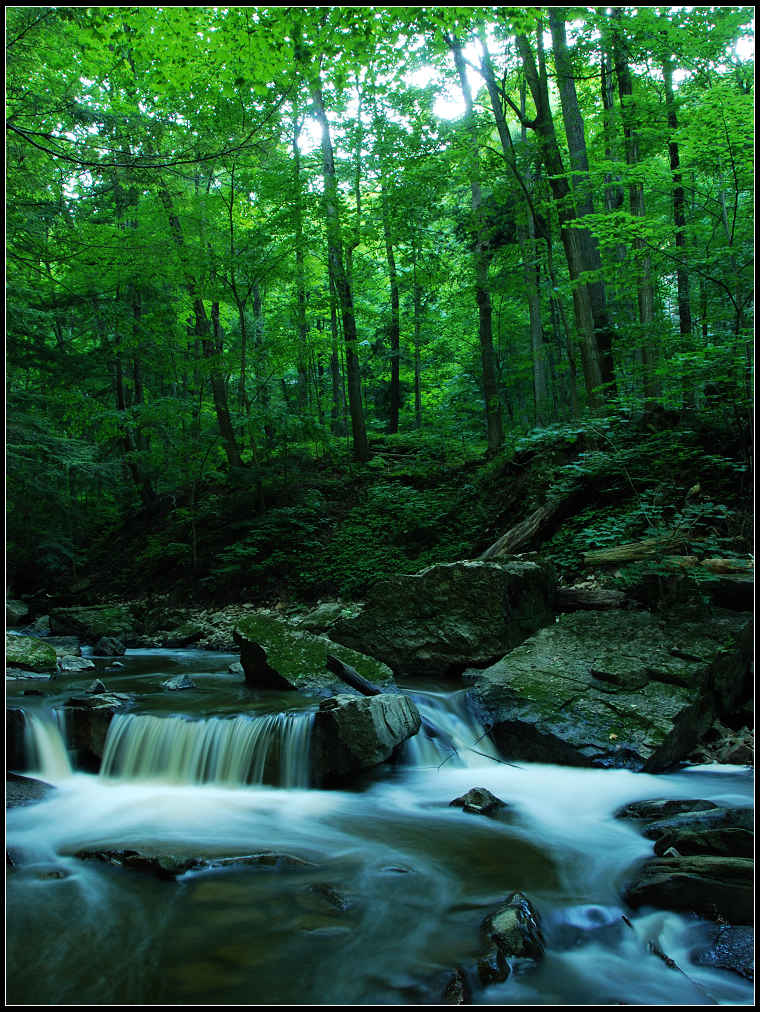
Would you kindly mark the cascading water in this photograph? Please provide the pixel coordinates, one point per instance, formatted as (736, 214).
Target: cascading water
(239, 750)
(45, 750)
(367, 896)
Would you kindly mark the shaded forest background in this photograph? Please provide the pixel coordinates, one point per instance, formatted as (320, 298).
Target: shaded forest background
(296, 297)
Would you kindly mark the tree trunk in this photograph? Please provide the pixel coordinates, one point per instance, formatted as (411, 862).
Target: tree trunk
(300, 282)
(343, 287)
(394, 331)
(481, 259)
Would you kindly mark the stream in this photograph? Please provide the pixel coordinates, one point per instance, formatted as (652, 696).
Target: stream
(377, 893)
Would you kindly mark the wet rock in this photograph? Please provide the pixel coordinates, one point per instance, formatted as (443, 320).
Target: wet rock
(457, 990)
(40, 626)
(22, 790)
(662, 808)
(514, 932)
(29, 654)
(724, 745)
(276, 655)
(109, 646)
(69, 664)
(724, 832)
(449, 616)
(97, 687)
(178, 682)
(15, 612)
(163, 866)
(716, 888)
(706, 820)
(14, 738)
(88, 718)
(479, 801)
(607, 689)
(236, 668)
(65, 646)
(732, 948)
(93, 621)
(354, 733)
(321, 618)
(329, 896)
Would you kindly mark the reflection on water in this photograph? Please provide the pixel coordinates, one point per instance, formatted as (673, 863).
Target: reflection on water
(378, 893)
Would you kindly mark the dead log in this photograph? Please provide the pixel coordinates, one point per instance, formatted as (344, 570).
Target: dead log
(634, 551)
(351, 676)
(519, 535)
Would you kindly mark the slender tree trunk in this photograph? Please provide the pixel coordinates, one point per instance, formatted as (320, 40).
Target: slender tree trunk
(636, 198)
(395, 324)
(580, 248)
(361, 451)
(417, 304)
(481, 260)
(300, 281)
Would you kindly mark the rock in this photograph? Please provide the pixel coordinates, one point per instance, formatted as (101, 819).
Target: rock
(68, 664)
(275, 655)
(662, 808)
(88, 718)
(109, 646)
(732, 948)
(724, 745)
(169, 866)
(479, 801)
(236, 668)
(97, 687)
(449, 616)
(724, 832)
(457, 990)
(610, 689)
(94, 621)
(321, 618)
(15, 612)
(514, 932)
(178, 682)
(40, 626)
(14, 738)
(29, 654)
(185, 634)
(21, 790)
(354, 733)
(716, 888)
(65, 646)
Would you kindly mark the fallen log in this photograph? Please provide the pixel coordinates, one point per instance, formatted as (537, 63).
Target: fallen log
(519, 535)
(634, 551)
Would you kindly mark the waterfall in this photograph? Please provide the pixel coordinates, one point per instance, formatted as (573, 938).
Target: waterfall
(449, 734)
(218, 750)
(45, 746)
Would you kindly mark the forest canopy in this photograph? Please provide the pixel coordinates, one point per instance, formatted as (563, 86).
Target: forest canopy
(235, 234)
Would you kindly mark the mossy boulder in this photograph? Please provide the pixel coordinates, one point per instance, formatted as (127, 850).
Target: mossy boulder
(449, 616)
(611, 689)
(94, 621)
(29, 654)
(276, 655)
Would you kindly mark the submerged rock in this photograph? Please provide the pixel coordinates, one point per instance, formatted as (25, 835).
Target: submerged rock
(354, 733)
(732, 948)
(29, 654)
(170, 866)
(178, 682)
(450, 615)
(610, 689)
(479, 801)
(716, 888)
(275, 655)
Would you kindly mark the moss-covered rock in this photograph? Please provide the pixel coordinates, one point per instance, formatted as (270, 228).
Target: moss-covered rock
(450, 616)
(276, 655)
(609, 688)
(716, 888)
(29, 654)
(93, 621)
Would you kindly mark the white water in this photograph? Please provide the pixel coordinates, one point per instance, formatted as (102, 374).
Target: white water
(216, 750)
(417, 877)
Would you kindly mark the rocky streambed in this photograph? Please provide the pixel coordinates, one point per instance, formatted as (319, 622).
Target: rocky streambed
(489, 821)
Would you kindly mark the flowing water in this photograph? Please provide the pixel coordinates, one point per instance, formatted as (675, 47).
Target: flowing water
(376, 894)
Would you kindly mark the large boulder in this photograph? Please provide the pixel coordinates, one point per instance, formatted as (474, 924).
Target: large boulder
(15, 612)
(93, 621)
(449, 616)
(716, 888)
(611, 689)
(29, 654)
(275, 655)
(514, 932)
(355, 733)
(88, 718)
